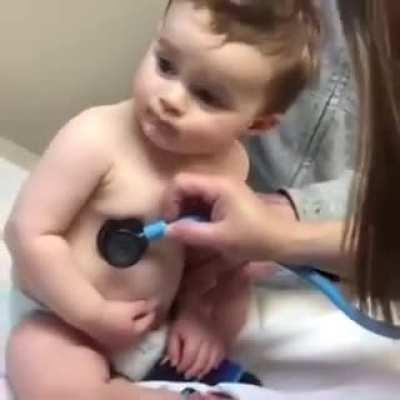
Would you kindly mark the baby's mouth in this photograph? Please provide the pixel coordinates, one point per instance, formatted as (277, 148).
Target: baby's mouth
(161, 124)
(165, 127)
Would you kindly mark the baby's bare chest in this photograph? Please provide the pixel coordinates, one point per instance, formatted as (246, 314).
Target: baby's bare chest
(131, 189)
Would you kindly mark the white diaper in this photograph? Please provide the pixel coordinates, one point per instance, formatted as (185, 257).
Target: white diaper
(133, 363)
(137, 362)
(20, 306)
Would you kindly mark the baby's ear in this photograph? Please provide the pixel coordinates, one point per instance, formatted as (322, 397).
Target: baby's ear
(263, 124)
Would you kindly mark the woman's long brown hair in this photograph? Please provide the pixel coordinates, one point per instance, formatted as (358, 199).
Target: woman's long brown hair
(372, 28)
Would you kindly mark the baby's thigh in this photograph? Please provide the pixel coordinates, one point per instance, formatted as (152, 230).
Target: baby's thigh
(46, 359)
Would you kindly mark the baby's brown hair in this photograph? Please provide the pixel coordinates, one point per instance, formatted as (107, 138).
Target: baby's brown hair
(287, 30)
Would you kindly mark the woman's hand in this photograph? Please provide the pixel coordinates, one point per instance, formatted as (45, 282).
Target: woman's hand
(241, 223)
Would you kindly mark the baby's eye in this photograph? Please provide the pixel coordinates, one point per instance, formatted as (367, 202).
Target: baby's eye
(207, 97)
(165, 65)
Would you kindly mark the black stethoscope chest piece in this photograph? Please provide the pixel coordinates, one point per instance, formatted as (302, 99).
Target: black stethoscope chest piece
(121, 242)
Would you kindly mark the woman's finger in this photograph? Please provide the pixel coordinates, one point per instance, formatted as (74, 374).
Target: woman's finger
(194, 233)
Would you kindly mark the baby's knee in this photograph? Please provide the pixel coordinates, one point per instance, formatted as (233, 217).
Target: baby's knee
(20, 340)
(37, 368)
(29, 336)
(22, 360)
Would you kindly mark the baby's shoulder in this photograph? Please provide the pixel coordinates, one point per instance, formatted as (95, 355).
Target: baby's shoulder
(96, 128)
(101, 120)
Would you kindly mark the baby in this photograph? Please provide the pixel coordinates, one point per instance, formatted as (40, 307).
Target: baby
(217, 71)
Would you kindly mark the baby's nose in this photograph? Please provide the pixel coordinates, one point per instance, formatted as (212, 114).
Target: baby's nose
(171, 107)
(173, 99)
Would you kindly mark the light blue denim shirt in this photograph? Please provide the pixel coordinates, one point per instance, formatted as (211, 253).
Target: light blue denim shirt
(311, 153)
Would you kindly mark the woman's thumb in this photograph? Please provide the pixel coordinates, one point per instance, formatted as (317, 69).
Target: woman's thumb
(194, 233)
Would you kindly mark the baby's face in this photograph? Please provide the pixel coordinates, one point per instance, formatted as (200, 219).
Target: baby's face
(193, 92)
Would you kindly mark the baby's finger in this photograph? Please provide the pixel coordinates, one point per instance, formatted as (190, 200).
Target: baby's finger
(144, 323)
(189, 355)
(221, 354)
(143, 307)
(165, 360)
(200, 362)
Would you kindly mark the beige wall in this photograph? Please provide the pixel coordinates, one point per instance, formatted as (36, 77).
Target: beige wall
(60, 56)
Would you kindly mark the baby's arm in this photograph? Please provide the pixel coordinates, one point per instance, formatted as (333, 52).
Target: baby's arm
(199, 340)
(67, 175)
(225, 304)
(211, 311)
(220, 289)
(231, 301)
(194, 346)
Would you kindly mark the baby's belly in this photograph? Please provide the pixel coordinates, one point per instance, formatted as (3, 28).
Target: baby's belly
(156, 276)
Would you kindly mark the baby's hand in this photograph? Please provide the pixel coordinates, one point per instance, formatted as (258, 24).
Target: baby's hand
(120, 323)
(194, 348)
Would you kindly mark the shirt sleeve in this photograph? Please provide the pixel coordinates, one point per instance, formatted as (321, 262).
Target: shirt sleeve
(324, 200)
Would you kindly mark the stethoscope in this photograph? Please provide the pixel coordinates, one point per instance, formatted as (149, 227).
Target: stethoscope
(122, 243)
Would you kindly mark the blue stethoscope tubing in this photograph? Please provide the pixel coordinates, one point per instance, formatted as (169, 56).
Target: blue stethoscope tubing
(335, 295)
(311, 275)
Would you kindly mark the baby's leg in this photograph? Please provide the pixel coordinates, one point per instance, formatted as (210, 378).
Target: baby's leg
(47, 360)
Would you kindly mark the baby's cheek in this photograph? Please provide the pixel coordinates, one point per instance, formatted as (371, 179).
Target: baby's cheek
(232, 127)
